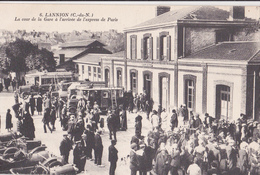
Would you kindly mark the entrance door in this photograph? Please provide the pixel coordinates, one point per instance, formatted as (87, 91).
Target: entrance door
(107, 77)
(147, 85)
(163, 85)
(223, 107)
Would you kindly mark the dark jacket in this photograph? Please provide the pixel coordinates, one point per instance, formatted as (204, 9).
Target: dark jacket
(134, 163)
(162, 164)
(39, 104)
(98, 142)
(65, 147)
(8, 121)
(112, 154)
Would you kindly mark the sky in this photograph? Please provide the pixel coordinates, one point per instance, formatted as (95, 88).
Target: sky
(116, 16)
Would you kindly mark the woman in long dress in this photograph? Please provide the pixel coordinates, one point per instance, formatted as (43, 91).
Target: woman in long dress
(9, 123)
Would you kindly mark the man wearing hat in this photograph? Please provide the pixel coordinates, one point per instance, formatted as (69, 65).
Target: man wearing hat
(155, 119)
(98, 148)
(232, 155)
(162, 163)
(65, 147)
(112, 157)
(111, 124)
(214, 168)
(81, 105)
(79, 158)
(174, 120)
(53, 117)
(134, 164)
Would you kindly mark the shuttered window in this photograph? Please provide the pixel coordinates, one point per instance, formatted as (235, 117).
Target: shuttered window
(164, 46)
(147, 47)
(133, 39)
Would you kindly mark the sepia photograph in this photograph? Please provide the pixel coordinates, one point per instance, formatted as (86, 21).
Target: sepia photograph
(130, 88)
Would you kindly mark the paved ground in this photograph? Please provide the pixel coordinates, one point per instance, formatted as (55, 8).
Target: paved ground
(52, 140)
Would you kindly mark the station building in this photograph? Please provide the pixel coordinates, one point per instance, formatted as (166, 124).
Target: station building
(194, 56)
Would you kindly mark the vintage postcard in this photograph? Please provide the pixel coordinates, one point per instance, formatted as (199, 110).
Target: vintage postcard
(127, 88)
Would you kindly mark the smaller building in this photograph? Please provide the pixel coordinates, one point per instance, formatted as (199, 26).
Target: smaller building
(75, 50)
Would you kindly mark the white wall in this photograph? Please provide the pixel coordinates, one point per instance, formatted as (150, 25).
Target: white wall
(155, 34)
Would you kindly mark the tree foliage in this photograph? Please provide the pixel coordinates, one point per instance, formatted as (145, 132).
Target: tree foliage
(24, 56)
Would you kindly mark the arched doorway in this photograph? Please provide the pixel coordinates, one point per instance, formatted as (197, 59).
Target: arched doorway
(107, 77)
(164, 88)
(223, 102)
(147, 88)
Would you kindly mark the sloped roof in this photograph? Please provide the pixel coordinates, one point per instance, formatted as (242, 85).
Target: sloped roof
(91, 58)
(117, 54)
(83, 43)
(198, 13)
(70, 52)
(237, 51)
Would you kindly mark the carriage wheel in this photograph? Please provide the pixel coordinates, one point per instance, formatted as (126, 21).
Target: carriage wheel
(10, 150)
(55, 163)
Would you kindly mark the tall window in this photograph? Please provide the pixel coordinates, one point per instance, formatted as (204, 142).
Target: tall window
(119, 78)
(147, 47)
(190, 94)
(89, 71)
(82, 69)
(164, 46)
(94, 73)
(133, 40)
(133, 81)
(99, 73)
(190, 91)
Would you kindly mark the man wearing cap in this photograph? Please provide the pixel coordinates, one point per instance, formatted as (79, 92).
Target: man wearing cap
(65, 147)
(98, 149)
(174, 120)
(112, 157)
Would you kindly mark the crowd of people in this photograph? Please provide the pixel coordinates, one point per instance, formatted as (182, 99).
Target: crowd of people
(182, 143)
(178, 143)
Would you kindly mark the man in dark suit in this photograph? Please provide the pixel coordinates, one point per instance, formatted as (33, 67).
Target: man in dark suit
(112, 157)
(65, 147)
(98, 150)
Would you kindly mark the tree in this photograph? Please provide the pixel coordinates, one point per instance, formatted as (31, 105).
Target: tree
(24, 56)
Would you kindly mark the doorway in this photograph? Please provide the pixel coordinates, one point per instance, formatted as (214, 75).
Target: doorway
(107, 77)
(164, 91)
(148, 84)
(223, 105)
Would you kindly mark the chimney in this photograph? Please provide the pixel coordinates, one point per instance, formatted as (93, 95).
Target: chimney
(62, 58)
(237, 13)
(162, 9)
